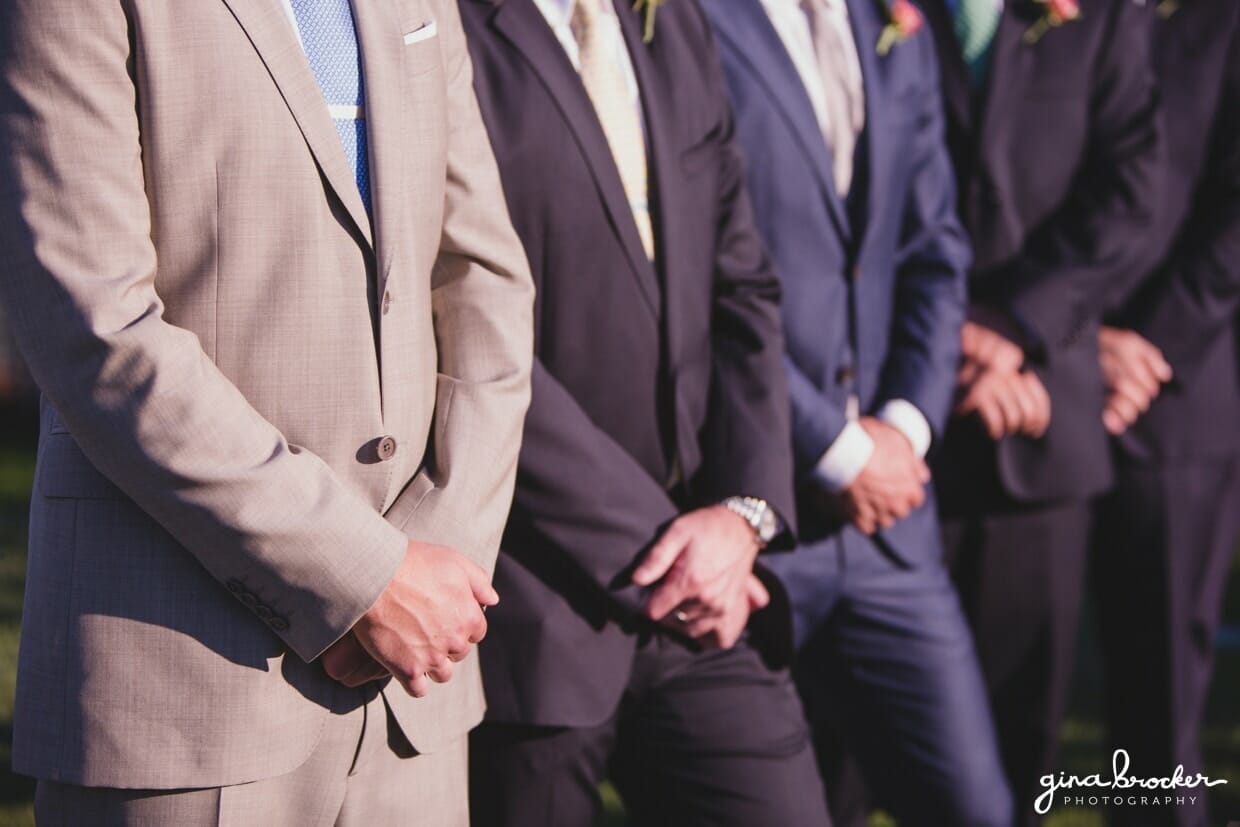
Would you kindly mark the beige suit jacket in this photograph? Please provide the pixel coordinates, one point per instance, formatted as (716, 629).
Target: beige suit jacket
(252, 396)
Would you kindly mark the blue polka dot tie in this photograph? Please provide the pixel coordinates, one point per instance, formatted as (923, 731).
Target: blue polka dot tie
(329, 38)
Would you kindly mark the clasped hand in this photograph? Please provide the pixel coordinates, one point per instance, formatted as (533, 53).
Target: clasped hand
(993, 384)
(703, 568)
(1134, 371)
(891, 485)
(427, 619)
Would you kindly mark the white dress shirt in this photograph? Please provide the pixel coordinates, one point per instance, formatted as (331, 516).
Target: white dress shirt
(559, 16)
(852, 449)
(792, 25)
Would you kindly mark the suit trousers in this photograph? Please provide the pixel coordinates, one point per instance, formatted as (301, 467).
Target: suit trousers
(1021, 578)
(714, 739)
(892, 689)
(363, 772)
(1164, 541)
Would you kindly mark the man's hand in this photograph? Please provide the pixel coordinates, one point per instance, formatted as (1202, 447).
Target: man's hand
(426, 619)
(1007, 402)
(1134, 371)
(350, 664)
(988, 340)
(890, 487)
(703, 560)
(722, 631)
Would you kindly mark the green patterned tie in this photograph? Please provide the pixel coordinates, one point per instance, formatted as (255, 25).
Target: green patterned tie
(976, 24)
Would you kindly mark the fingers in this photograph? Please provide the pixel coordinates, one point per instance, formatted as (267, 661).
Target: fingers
(692, 610)
(1119, 414)
(440, 671)
(1039, 419)
(458, 650)
(418, 685)
(476, 629)
(674, 590)
(969, 372)
(1158, 364)
(348, 663)
(479, 583)
(756, 594)
(1113, 421)
(1008, 402)
(661, 556)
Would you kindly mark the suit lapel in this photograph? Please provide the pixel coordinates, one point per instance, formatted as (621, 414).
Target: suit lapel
(382, 48)
(273, 37)
(524, 26)
(867, 28)
(1001, 95)
(755, 40)
(957, 85)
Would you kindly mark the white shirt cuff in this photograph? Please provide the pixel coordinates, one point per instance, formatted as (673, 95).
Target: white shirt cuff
(845, 459)
(905, 418)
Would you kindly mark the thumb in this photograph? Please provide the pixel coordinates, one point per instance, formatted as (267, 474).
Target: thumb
(660, 557)
(480, 584)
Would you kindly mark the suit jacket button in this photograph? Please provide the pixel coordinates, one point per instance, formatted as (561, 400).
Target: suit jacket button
(387, 448)
(387, 302)
(278, 624)
(845, 376)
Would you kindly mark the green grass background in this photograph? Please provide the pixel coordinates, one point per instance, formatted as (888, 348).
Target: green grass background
(1083, 749)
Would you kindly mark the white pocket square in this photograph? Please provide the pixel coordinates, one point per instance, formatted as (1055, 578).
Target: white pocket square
(424, 32)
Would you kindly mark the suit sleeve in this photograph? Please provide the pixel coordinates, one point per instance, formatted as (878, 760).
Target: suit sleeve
(747, 438)
(932, 271)
(816, 422)
(582, 496)
(1198, 289)
(1087, 252)
(139, 395)
(482, 301)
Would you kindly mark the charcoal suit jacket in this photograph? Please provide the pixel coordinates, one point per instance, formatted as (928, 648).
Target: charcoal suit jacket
(658, 386)
(1059, 162)
(1189, 304)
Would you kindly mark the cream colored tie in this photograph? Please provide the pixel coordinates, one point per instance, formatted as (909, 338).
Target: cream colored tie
(609, 91)
(843, 112)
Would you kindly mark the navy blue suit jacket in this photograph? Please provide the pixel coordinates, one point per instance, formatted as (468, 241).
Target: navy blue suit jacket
(874, 286)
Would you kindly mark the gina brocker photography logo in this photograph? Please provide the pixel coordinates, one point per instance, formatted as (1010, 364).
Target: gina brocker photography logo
(1122, 789)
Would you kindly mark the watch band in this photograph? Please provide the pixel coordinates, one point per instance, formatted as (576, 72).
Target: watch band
(758, 513)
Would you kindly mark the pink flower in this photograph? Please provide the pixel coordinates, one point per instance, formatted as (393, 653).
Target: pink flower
(1064, 10)
(908, 19)
(903, 21)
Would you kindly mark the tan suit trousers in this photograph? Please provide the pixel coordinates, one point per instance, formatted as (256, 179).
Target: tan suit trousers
(363, 773)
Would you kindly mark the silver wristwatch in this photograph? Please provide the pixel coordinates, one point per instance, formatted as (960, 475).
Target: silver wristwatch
(756, 512)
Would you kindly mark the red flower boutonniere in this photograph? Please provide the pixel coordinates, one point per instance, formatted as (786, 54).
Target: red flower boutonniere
(649, 7)
(1055, 13)
(903, 21)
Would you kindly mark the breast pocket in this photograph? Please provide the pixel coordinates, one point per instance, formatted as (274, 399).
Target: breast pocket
(422, 52)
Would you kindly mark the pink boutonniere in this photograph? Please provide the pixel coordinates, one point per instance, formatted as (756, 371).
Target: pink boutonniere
(649, 7)
(903, 21)
(1055, 13)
